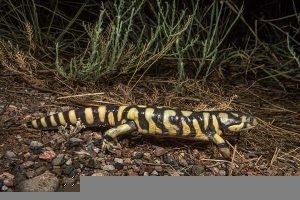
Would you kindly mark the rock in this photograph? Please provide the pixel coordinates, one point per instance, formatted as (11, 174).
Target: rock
(75, 142)
(158, 168)
(47, 155)
(40, 170)
(222, 172)
(147, 156)
(27, 164)
(69, 161)
(154, 173)
(26, 155)
(46, 182)
(146, 174)
(58, 160)
(119, 163)
(100, 173)
(36, 146)
(169, 159)
(10, 155)
(69, 171)
(4, 188)
(137, 155)
(8, 182)
(108, 167)
(198, 170)
(127, 161)
(159, 151)
(7, 175)
(132, 173)
(30, 173)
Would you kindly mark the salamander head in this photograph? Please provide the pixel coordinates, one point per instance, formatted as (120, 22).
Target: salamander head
(237, 121)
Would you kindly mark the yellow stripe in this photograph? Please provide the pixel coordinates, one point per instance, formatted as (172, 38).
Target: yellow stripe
(120, 112)
(61, 118)
(43, 122)
(235, 114)
(206, 120)
(152, 126)
(89, 115)
(132, 114)
(185, 128)
(172, 129)
(34, 123)
(101, 112)
(111, 119)
(72, 116)
(199, 135)
(216, 125)
(186, 113)
(52, 120)
(223, 117)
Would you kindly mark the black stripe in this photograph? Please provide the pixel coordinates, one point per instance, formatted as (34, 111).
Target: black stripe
(142, 118)
(96, 116)
(29, 124)
(158, 119)
(211, 126)
(189, 121)
(47, 119)
(176, 120)
(81, 115)
(66, 117)
(57, 119)
(39, 124)
(200, 118)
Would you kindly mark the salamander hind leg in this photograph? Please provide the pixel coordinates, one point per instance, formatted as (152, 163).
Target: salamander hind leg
(221, 144)
(110, 141)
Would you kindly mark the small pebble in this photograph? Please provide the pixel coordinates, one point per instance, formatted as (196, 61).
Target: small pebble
(154, 173)
(69, 162)
(147, 156)
(27, 164)
(198, 170)
(4, 188)
(222, 173)
(26, 155)
(137, 155)
(10, 155)
(158, 168)
(146, 174)
(35, 145)
(75, 142)
(108, 167)
(58, 160)
(47, 155)
(159, 151)
(119, 163)
(8, 182)
(132, 173)
(30, 174)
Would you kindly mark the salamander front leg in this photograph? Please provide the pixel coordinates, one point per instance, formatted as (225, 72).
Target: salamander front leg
(110, 141)
(221, 144)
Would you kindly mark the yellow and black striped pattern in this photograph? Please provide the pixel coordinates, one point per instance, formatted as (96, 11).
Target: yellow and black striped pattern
(204, 125)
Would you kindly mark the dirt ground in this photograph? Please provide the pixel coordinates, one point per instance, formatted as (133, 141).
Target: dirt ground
(271, 149)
